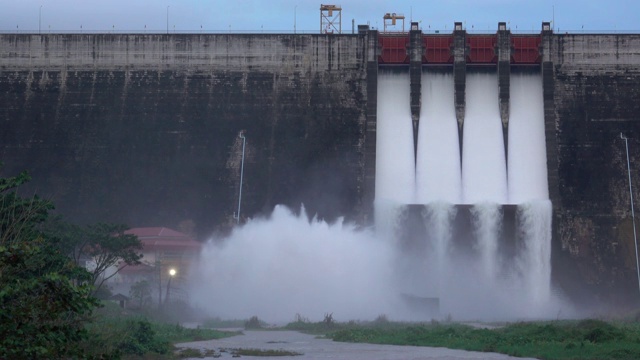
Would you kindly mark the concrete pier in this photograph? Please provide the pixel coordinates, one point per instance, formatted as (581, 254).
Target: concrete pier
(415, 76)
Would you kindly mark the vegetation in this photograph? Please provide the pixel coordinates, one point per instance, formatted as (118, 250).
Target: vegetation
(44, 299)
(586, 339)
(221, 324)
(106, 245)
(48, 308)
(116, 333)
(329, 325)
(140, 293)
(254, 323)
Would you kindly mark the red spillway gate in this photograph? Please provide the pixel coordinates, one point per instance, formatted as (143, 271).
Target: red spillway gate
(525, 49)
(482, 49)
(437, 49)
(393, 49)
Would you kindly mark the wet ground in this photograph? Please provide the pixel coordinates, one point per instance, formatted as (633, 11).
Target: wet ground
(316, 348)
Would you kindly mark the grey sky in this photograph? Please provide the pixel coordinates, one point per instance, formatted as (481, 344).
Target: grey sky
(278, 15)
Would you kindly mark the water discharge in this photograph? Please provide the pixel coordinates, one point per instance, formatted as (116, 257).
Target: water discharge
(449, 233)
(395, 185)
(484, 171)
(285, 265)
(527, 148)
(438, 160)
(394, 142)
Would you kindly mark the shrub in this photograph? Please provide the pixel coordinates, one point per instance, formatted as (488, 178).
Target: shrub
(253, 323)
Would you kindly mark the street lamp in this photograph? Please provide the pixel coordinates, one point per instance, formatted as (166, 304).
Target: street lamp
(39, 19)
(172, 273)
(633, 215)
(241, 176)
(167, 19)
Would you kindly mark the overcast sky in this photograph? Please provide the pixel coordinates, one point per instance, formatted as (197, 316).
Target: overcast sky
(283, 15)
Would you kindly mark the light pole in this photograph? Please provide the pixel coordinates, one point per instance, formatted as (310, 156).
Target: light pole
(633, 215)
(295, 12)
(40, 19)
(167, 19)
(172, 273)
(244, 140)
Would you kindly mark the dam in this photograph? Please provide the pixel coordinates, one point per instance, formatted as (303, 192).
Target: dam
(143, 128)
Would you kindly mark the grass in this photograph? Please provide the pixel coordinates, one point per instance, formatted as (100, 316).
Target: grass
(197, 353)
(219, 323)
(586, 339)
(329, 325)
(117, 333)
(561, 340)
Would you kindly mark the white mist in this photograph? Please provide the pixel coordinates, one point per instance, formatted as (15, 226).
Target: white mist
(286, 265)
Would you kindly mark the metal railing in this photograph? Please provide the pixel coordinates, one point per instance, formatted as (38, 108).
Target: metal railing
(266, 31)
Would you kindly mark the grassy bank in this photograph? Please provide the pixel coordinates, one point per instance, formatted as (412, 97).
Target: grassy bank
(116, 333)
(586, 339)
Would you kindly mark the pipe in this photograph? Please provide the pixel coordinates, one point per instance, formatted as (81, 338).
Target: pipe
(633, 215)
(241, 176)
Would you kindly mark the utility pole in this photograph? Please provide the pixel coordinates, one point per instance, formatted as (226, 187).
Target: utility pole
(633, 215)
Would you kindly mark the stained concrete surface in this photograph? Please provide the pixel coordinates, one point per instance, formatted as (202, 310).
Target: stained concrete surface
(314, 348)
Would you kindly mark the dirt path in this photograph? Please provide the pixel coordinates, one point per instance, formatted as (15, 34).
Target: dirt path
(314, 348)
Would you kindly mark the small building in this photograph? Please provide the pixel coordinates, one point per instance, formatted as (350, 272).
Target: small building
(163, 249)
(120, 299)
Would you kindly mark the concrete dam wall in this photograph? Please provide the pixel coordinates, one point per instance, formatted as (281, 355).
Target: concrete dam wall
(143, 129)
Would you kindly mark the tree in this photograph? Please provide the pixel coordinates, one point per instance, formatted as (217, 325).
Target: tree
(109, 246)
(18, 216)
(104, 246)
(141, 291)
(42, 308)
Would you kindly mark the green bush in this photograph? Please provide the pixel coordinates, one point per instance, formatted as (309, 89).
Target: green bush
(587, 339)
(254, 323)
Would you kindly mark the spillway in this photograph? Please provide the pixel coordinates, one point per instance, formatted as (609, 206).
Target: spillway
(438, 160)
(528, 185)
(469, 224)
(484, 172)
(395, 164)
(527, 154)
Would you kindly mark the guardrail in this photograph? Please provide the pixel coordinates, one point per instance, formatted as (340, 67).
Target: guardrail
(263, 31)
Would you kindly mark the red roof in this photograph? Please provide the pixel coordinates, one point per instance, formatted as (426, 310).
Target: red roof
(136, 269)
(161, 237)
